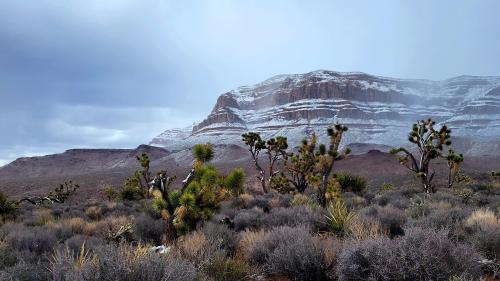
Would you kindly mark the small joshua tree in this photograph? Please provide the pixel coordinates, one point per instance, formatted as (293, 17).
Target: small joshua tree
(300, 166)
(199, 196)
(430, 143)
(275, 149)
(58, 195)
(325, 159)
(143, 176)
(453, 160)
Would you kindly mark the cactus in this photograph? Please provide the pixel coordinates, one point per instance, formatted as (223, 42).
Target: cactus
(430, 144)
(275, 149)
(325, 159)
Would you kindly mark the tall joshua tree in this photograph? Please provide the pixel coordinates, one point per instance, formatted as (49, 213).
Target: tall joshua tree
(453, 160)
(325, 159)
(275, 149)
(300, 166)
(430, 143)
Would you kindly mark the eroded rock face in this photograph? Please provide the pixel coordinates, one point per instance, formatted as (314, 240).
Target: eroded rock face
(378, 110)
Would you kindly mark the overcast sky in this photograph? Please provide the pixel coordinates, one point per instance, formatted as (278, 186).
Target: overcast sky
(96, 73)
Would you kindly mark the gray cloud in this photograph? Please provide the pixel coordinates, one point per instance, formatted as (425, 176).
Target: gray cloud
(115, 73)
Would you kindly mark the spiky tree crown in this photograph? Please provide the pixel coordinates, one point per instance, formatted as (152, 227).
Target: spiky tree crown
(203, 153)
(254, 140)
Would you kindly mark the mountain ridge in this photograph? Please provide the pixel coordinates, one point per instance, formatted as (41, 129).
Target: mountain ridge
(378, 110)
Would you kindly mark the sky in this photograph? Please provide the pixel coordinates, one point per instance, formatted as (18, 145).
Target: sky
(113, 74)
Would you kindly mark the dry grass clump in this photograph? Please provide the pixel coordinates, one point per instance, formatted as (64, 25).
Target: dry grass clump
(196, 248)
(483, 219)
(247, 239)
(361, 229)
(42, 217)
(94, 212)
(483, 228)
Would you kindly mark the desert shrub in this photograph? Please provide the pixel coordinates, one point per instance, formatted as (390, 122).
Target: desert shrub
(419, 207)
(392, 197)
(353, 201)
(350, 182)
(422, 254)
(483, 227)
(90, 243)
(126, 263)
(338, 217)
(442, 214)
(94, 212)
(304, 200)
(248, 219)
(294, 216)
(148, 229)
(7, 207)
(267, 201)
(220, 235)
(221, 269)
(290, 252)
(392, 219)
(34, 239)
(8, 256)
(26, 271)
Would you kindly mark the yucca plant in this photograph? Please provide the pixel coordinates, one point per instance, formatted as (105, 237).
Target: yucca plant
(339, 217)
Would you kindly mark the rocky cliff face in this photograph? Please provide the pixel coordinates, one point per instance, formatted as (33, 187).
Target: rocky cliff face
(377, 110)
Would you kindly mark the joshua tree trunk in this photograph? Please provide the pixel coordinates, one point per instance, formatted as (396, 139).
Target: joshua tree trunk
(322, 191)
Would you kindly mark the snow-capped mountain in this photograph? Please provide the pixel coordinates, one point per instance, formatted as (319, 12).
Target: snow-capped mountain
(377, 110)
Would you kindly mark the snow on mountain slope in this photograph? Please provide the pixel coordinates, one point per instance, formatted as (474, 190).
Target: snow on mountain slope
(377, 110)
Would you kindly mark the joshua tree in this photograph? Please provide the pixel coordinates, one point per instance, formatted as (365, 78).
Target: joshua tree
(325, 159)
(300, 166)
(454, 160)
(199, 196)
(58, 195)
(143, 176)
(430, 144)
(275, 149)
(202, 154)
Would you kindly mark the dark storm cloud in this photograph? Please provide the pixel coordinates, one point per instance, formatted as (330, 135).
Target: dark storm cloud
(115, 73)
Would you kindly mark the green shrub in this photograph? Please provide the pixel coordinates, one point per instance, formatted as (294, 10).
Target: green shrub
(221, 269)
(110, 193)
(235, 180)
(350, 182)
(387, 186)
(7, 207)
(130, 192)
